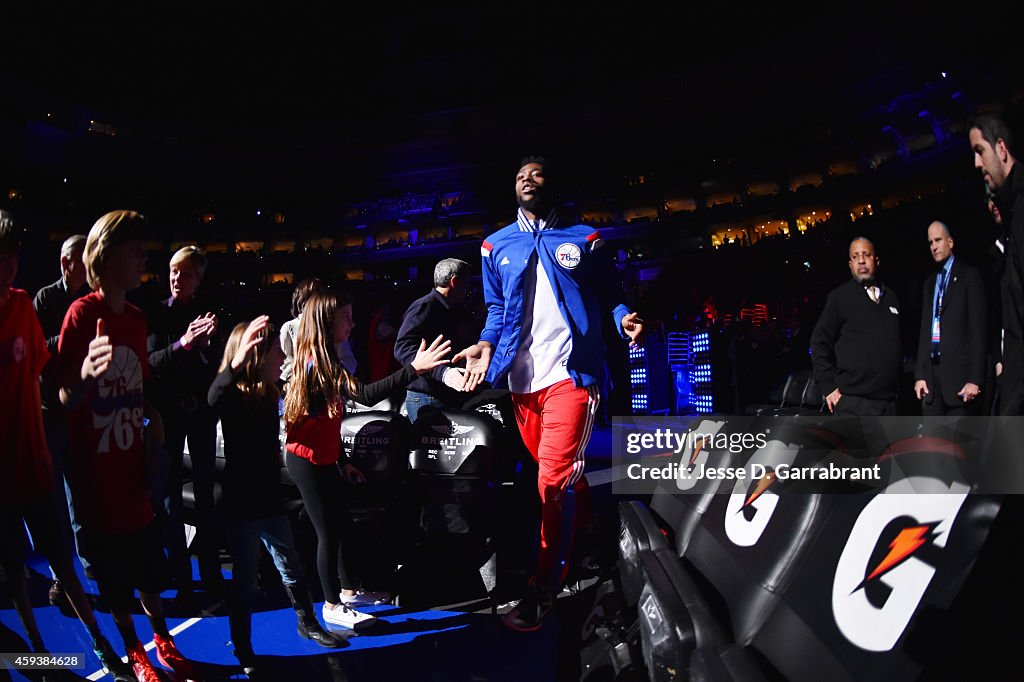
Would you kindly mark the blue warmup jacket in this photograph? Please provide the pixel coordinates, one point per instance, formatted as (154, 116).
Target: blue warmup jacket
(583, 284)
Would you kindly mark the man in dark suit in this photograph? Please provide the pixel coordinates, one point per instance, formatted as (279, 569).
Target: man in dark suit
(951, 348)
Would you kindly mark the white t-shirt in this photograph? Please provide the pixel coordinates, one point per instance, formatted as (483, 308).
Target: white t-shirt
(545, 341)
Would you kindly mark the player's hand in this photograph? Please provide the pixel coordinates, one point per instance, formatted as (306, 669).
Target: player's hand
(478, 359)
(634, 328)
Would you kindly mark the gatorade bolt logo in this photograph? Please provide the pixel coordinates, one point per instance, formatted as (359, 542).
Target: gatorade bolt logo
(884, 569)
(695, 455)
(567, 255)
(752, 503)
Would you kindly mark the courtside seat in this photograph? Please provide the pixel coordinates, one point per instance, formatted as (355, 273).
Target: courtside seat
(873, 597)
(775, 398)
(638, 532)
(848, 586)
(675, 618)
(678, 505)
(376, 442)
(754, 533)
(740, 554)
(813, 398)
(455, 444)
(729, 663)
(794, 402)
(453, 484)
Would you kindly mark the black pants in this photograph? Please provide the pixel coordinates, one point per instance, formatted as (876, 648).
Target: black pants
(1011, 393)
(934, 405)
(200, 428)
(323, 493)
(854, 406)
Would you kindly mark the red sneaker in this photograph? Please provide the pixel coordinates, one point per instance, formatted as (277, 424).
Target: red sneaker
(141, 665)
(169, 656)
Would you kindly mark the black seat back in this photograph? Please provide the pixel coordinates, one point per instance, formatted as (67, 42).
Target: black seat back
(377, 443)
(869, 600)
(754, 534)
(794, 394)
(455, 443)
(638, 533)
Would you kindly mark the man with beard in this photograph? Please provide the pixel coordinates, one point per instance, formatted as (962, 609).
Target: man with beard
(855, 347)
(992, 144)
(547, 290)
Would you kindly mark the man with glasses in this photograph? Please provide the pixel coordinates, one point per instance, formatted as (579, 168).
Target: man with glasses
(855, 347)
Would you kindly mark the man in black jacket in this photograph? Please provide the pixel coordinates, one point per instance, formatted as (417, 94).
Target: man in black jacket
(993, 147)
(51, 305)
(855, 347)
(52, 302)
(426, 318)
(951, 346)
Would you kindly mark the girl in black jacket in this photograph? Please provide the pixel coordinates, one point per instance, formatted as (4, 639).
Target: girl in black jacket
(246, 397)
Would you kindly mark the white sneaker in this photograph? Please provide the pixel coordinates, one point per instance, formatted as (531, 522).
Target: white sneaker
(365, 598)
(346, 617)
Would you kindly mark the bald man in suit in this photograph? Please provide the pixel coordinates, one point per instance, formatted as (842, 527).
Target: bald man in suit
(950, 369)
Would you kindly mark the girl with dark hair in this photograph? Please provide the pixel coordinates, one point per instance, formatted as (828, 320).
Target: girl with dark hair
(246, 397)
(303, 291)
(313, 411)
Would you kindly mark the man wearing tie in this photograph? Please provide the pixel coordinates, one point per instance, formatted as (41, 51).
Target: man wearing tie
(855, 347)
(951, 348)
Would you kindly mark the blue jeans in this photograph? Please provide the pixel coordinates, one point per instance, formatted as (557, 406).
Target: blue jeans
(244, 536)
(55, 423)
(414, 402)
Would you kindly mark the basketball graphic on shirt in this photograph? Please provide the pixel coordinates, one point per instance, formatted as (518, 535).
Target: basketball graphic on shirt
(117, 411)
(124, 375)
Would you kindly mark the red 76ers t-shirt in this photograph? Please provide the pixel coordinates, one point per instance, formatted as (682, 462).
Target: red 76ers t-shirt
(108, 456)
(27, 472)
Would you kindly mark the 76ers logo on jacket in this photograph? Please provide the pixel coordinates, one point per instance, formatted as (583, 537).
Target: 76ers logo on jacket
(567, 255)
(886, 566)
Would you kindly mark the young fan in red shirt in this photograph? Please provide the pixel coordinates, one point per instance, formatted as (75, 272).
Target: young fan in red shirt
(26, 485)
(104, 365)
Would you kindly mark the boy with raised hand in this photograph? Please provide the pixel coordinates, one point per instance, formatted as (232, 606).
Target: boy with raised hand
(104, 364)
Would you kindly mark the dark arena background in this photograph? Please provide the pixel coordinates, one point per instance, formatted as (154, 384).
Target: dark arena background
(727, 156)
